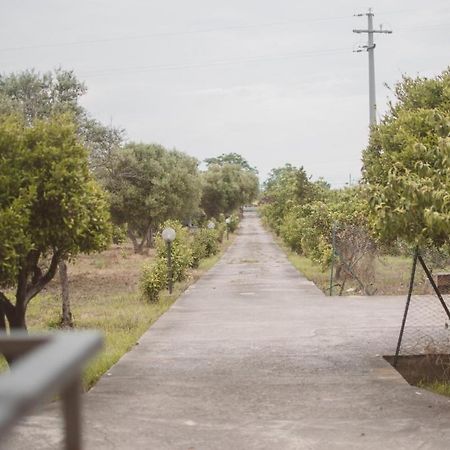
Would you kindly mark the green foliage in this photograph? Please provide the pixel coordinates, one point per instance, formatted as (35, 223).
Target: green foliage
(47, 191)
(181, 250)
(35, 95)
(406, 165)
(205, 243)
(286, 188)
(291, 229)
(187, 251)
(119, 234)
(226, 187)
(303, 212)
(50, 206)
(154, 279)
(149, 184)
(220, 230)
(231, 158)
(233, 223)
(14, 242)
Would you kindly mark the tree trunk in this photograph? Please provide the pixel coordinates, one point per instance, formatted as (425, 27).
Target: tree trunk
(150, 243)
(137, 246)
(2, 319)
(338, 273)
(13, 315)
(66, 315)
(17, 320)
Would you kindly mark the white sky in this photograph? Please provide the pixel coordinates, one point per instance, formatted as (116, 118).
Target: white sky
(275, 81)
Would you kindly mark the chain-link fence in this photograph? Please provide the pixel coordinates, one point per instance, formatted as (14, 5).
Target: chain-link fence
(425, 325)
(353, 259)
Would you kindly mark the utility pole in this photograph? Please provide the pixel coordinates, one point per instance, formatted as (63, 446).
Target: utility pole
(370, 47)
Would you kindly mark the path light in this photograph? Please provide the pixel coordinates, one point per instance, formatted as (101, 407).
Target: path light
(211, 225)
(227, 222)
(169, 236)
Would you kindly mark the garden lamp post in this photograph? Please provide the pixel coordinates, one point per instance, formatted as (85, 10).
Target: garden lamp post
(227, 222)
(169, 236)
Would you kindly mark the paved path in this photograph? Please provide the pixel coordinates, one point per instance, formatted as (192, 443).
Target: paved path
(254, 356)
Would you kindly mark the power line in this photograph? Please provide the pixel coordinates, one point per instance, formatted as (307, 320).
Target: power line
(100, 72)
(182, 32)
(170, 33)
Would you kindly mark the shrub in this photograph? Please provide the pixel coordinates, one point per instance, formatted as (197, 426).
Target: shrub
(119, 234)
(291, 229)
(233, 223)
(205, 243)
(186, 252)
(181, 251)
(154, 279)
(220, 230)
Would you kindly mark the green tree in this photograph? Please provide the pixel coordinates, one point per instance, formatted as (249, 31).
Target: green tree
(37, 95)
(406, 164)
(226, 187)
(148, 185)
(286, 188)
(51, 209)
(231, 158)
(42, 96)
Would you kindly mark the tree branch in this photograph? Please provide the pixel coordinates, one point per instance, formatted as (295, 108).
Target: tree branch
(39, 284)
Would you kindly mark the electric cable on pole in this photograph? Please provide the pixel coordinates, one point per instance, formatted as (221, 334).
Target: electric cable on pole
(370, 47)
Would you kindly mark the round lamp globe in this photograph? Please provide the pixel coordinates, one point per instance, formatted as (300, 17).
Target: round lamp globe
(169, 234)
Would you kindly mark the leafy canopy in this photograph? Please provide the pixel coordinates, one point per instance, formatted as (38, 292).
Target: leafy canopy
(286, 187)
(227, 187)
(231, 158)
(407, 164)
(149, 184)
(49, 204)
(35, 95)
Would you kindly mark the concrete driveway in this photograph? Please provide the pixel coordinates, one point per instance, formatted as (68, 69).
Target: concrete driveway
(254, 356)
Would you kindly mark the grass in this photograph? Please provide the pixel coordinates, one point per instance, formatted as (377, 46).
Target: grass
(438, 387)
(104, 293)
(309, 269)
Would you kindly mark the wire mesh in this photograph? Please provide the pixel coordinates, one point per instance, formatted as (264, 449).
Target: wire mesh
(426, 327)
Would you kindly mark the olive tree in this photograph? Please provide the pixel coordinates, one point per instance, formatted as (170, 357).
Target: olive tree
(231, 158)
(37, 95)
(226, 187)
(147, 185)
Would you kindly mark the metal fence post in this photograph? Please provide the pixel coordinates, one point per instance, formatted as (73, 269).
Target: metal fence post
(332, 257)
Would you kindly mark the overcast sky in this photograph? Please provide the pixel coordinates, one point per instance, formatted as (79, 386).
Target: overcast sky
(275, 81)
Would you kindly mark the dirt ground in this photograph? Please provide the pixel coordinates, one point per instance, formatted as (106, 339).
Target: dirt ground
(114, 271)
